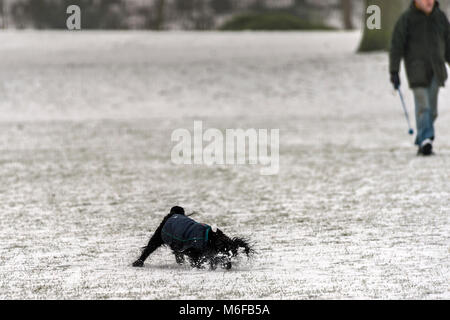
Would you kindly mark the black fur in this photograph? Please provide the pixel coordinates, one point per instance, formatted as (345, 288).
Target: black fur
(219, 250)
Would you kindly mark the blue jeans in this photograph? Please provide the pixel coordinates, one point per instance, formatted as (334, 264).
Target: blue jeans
(426, 100)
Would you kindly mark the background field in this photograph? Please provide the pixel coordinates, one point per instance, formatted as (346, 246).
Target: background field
(85, 125)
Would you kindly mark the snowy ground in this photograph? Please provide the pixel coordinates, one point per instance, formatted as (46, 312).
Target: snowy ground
(85, 125)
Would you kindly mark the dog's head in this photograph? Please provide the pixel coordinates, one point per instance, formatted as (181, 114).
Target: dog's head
(176, 210)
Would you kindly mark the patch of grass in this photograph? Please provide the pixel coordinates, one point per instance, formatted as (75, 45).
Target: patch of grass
(271, 21)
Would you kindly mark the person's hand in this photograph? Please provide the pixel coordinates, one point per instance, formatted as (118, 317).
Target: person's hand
(138, 263)
(395, 79)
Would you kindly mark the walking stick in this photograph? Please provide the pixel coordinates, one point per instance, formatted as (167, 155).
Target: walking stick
(410, 130)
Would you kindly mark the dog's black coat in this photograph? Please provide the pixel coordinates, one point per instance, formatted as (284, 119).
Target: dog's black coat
(196, 241)
(181, 233)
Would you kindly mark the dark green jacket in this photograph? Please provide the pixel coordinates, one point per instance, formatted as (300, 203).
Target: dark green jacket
(424, 42)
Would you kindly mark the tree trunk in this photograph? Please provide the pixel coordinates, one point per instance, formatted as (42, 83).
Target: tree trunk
(159, 24)
(347, 14)
(2, 14)
(380, 39)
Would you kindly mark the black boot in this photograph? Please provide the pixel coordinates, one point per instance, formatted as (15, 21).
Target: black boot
(426, 148)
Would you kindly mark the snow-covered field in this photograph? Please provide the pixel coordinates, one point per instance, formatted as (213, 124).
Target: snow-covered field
(85, 126)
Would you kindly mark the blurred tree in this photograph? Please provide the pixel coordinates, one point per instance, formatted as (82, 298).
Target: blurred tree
(271, 21)
(112, 18)
(313, 11)
(445, 5)
(43, 13)
(221, 6)
(347, 14)
(258, 6)
(17, 15)
(160, 11)
(2, 14)
(380, 39)
(184, 5)
(143, 14)
(197, 14)
(203, 15)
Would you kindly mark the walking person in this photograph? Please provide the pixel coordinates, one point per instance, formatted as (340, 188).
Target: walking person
(422, 38)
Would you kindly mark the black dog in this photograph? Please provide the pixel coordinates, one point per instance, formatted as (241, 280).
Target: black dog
(196, 241)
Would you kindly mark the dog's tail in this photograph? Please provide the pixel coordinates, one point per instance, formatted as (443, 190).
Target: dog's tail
(243, 243)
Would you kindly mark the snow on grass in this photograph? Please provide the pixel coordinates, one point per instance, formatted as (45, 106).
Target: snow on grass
(85, 125)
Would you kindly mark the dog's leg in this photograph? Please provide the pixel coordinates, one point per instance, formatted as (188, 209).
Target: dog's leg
(213, 262)
(154, 243)
(226, 264)
(196, 263)
(193, 259)
(179, 257)
(197, 259)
